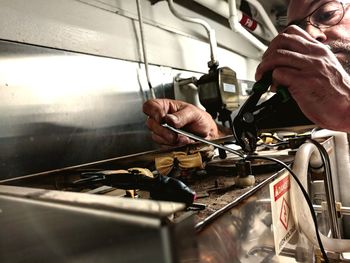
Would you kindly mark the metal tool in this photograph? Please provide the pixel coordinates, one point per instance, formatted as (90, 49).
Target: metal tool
(200, 139)
(160, 187)
(244, 124)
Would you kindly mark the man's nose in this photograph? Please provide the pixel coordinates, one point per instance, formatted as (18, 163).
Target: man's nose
(316, 33)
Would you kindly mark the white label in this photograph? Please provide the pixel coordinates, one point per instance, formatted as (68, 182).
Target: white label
(229, 87)
(244, 87)
(282, 218)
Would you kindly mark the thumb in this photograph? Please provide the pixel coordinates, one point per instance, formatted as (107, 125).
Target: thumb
(173, 120)
(184, 116)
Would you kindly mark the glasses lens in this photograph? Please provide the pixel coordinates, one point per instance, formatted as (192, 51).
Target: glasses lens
(327, 15)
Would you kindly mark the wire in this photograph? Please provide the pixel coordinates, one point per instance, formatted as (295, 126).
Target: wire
(306, 196)
(144, 51)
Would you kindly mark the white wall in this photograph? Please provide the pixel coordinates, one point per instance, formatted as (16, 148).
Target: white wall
(109, 28)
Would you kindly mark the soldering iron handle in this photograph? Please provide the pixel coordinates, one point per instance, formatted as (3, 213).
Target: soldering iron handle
(262, 85)
(265, 82)
(284, 93)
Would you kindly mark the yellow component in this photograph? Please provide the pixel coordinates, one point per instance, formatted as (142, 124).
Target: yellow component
(164, 164)
(131, 193)
(177, 154)
(144, 171)
(207, 151)
(191, 161)
(267, 139)
(245, 181)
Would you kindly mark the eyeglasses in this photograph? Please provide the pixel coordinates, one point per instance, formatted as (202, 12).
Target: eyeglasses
(327, 15)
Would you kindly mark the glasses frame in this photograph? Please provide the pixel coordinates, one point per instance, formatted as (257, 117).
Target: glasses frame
(307, 19)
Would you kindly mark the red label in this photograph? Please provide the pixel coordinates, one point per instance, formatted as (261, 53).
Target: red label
(281, 187)
(248, 22)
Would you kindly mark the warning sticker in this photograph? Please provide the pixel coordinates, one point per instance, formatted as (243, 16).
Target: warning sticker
(282, 219)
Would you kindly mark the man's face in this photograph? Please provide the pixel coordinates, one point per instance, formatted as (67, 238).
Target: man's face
(337, 36)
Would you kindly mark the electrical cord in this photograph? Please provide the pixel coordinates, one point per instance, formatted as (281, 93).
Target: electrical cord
(306, 196)
(329, 188)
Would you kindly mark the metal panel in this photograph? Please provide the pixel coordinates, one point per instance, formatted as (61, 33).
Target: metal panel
(60, 109)
(106, 30)
(35, 230)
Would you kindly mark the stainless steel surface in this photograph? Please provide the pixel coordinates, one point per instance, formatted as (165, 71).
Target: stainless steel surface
(44, 226)
(61, 108)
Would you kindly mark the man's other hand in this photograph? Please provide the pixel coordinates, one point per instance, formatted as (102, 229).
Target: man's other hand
(180, 115)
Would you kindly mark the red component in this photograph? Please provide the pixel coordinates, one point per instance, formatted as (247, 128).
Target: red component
(248, 22)
(281, 188)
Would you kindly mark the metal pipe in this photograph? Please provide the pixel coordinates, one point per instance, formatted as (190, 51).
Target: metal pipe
(332, 211)
(143, 44)
(210, 31)
(342, 163)
(237, 27)
(344, 210)
(221, 7)
(331, 200)
(308, 152)
(264, 16)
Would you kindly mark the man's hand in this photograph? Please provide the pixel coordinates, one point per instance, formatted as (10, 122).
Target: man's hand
(178, 114)
(313, 76)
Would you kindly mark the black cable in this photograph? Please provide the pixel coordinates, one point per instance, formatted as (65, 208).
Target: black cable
(328, 183)
(306, 196)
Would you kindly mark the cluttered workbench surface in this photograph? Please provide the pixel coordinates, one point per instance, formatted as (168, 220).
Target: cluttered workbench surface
(203, 178)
